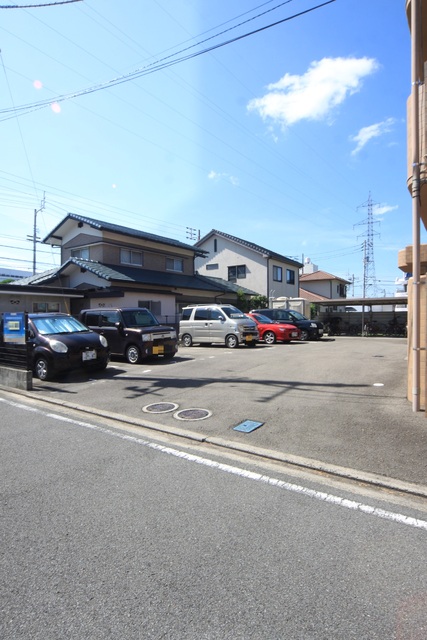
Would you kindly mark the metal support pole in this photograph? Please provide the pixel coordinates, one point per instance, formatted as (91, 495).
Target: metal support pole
(415, 188)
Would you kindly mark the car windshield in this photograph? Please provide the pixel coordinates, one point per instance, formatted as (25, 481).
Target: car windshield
(232, 312)
(58, 324)
(296, 315)
(260, 318)
(135, 318)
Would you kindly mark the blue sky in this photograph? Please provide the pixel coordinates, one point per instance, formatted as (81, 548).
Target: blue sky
(279, 137)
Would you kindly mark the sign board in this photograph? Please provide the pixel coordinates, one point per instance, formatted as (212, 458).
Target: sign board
(14, 328)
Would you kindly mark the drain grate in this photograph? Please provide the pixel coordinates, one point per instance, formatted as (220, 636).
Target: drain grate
(160, 407)
(192, 414)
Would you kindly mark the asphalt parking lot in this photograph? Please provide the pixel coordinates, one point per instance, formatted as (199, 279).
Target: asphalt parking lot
(340, 400)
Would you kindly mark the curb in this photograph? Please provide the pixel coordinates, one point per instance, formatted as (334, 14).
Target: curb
(355, 475)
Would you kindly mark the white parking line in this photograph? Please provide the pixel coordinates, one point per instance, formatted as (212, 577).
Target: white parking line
(244, 473)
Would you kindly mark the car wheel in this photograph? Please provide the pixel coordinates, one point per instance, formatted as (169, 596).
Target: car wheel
(231, 341)
(187, 340)
(304, 334)
(103, 365)
(133, 354)
(43, 369)
(269, 337)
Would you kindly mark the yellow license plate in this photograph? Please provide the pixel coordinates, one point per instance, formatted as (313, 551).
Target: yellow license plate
(248, 338)
(157, 351)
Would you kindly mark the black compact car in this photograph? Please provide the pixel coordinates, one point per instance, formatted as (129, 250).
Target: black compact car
(133, 332)
(58, 343)
(310, 329)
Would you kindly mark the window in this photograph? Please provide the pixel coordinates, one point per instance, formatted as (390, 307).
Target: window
(44, 307)
(215, 314)
(92, 319)
(341, 290)
(290, 276)
(277, 274)
(155, 306)
(215, 245)
(128, 256)
(201, 314)
(235, 273)
(175, 264)
(109, 318)
(212, 266)
(82, 253)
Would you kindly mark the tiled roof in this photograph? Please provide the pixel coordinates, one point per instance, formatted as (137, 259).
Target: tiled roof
(310, 296)
(250, 245)
(39, 278)
(321, 275)
(127, 231)
(122, 274)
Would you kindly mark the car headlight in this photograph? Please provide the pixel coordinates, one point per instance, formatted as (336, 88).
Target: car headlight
(173, 335)
(103, 341)
(58, 346)
(147, 337)
(313, 325)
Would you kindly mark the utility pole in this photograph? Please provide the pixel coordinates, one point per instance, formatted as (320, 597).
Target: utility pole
(34, 238)
(193, 234)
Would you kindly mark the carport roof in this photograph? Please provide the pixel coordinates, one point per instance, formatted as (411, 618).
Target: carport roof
(367, 302)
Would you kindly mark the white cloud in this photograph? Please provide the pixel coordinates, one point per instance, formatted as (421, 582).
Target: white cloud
(368, 133)
(382, 209)
(213, 175)
(313, 95)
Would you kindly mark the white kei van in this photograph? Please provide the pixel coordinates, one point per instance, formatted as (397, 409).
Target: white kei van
(216, 324)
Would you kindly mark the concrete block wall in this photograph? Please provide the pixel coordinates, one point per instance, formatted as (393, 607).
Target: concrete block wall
(16, 378)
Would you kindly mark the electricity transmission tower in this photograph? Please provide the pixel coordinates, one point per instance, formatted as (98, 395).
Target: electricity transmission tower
(369, 280)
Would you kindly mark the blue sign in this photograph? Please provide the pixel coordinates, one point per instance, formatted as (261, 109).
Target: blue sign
(14, 328)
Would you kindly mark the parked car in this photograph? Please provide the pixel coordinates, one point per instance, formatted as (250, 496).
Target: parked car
(58, 343)
(310, 330)
(132, 332)
(271, 332)
(217, 324)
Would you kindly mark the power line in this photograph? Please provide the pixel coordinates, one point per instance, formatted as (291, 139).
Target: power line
(163, 63)
(37, 6)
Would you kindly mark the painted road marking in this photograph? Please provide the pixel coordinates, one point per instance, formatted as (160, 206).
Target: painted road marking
(237, 471)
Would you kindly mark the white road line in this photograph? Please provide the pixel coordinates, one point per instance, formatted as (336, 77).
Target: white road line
(244, 473)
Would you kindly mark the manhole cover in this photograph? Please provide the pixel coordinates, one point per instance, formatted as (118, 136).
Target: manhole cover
(160, 407)
(192, 414)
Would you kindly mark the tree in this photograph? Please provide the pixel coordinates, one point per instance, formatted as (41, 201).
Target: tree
(259, 302)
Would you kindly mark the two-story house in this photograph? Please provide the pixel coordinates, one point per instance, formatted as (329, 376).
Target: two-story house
(247, 265)
(321, 283)
(115, 266)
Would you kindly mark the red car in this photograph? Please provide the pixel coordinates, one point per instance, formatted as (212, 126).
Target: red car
(272, 332)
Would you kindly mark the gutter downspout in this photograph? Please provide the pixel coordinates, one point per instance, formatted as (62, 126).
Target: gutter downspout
(415, 192)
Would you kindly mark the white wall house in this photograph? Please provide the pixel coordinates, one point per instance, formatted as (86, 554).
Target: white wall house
(109, 265)
(321, 283)
(247, 264)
